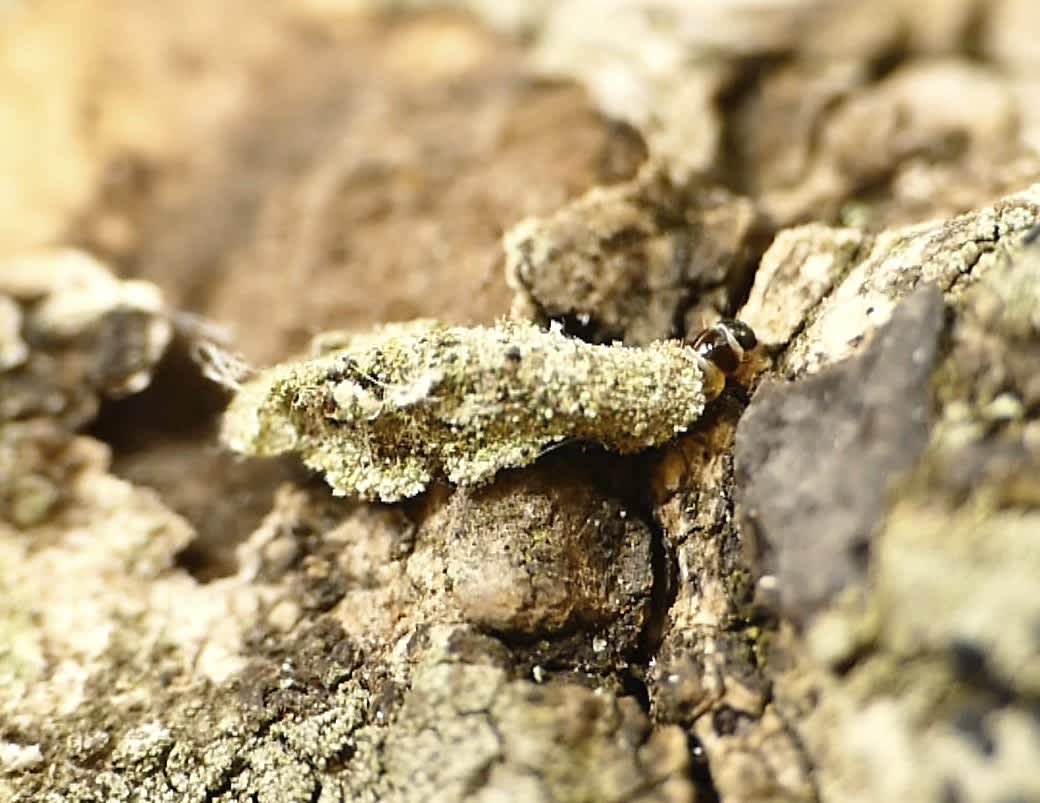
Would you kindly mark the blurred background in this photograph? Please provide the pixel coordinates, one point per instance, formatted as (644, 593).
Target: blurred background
(286, 167)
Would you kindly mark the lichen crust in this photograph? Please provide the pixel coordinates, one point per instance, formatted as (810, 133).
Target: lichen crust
(384, 413)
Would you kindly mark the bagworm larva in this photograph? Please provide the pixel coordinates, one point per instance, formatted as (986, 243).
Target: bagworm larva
(383, 414)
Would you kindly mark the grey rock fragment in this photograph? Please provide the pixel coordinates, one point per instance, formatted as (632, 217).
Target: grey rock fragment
(815, 459)
(937, 656)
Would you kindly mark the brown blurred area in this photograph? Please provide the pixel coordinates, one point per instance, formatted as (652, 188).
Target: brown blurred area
(287, 167)
(286, 171)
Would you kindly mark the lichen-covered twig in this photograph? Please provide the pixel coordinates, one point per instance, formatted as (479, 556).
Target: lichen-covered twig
(385, 413)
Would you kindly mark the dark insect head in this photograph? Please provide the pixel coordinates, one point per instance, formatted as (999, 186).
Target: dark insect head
(723, 349)
(726, 344)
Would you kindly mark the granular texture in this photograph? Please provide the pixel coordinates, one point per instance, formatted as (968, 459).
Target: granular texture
(383, 414)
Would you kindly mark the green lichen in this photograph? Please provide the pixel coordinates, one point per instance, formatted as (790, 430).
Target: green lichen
(383, 414)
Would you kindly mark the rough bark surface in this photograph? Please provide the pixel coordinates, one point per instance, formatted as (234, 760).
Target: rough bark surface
(822, 589)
